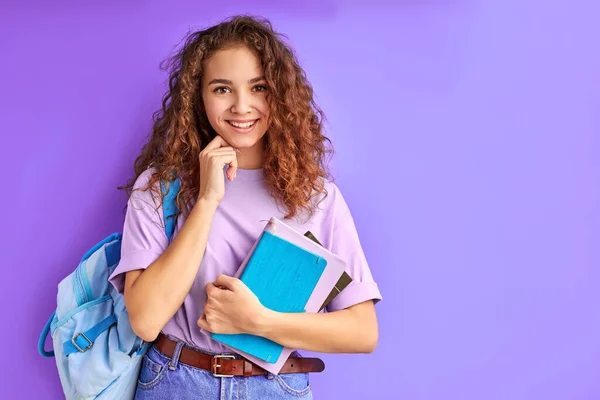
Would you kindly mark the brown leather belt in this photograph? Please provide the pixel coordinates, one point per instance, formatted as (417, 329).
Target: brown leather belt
(228, 365)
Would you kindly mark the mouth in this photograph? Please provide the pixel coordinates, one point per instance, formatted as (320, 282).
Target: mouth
(242, 126)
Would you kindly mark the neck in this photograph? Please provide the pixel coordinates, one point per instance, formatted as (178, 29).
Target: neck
(251, 157)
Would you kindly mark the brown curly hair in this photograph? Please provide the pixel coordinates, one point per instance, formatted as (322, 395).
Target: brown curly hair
(296, 150)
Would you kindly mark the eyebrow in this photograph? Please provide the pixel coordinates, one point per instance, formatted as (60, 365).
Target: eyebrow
(228, 82)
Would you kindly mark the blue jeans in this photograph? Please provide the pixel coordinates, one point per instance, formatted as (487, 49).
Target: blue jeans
(162, 377)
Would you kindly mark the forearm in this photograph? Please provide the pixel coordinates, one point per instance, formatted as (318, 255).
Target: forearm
(157, 294)
(353, 330)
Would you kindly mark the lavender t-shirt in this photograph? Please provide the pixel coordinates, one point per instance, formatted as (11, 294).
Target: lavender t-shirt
(237, 223)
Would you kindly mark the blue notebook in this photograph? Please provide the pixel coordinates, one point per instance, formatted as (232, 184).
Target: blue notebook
(283, 276)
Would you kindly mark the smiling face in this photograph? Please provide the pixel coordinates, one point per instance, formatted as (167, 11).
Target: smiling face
(234, 93)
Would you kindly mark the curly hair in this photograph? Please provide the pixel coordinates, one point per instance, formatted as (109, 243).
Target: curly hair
(296, 149)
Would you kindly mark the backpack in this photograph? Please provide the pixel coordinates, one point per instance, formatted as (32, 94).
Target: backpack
(97, 353)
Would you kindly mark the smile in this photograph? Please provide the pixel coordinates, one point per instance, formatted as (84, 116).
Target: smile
(242, 125)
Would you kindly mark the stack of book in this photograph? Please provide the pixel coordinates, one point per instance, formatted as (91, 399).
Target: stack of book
(288, 272)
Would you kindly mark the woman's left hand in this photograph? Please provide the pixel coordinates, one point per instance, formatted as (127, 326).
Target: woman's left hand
(230, 308)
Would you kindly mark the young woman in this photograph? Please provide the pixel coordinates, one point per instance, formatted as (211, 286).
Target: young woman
(239, 128)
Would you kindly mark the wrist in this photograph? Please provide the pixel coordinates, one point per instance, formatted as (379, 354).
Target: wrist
(263, 323)
(205, 203)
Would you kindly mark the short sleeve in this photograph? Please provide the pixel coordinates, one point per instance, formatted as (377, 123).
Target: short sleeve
(144, 238)
(345, 243)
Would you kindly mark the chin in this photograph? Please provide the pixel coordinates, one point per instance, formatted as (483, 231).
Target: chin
(243, 141)
(240, 143)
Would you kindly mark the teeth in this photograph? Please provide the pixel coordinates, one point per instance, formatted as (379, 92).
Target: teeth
(242, 125)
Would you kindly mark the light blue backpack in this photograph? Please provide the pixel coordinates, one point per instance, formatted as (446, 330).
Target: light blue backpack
(97, 353)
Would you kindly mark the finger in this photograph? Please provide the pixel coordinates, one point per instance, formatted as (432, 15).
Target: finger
(227, 159)
(225, 281)
(203, 323)
(233, 167)
(224, 159)
(217, 142)
(232, 162)
(223, 150)
(211, 290)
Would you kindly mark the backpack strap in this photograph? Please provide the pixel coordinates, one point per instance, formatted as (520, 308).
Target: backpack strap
(170, 209)
(43, 336)
(82, 341)
(82, 344)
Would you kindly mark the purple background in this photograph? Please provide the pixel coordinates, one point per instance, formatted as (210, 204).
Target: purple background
(467, 137)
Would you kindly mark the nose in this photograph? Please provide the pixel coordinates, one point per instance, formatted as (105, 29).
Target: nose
(241, 104)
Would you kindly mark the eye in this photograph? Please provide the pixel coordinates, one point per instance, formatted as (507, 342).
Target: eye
(259, 88)
(221, 89)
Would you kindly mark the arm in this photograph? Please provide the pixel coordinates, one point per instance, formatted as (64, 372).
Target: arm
(353, 330)
(233, 308)
(154, 295)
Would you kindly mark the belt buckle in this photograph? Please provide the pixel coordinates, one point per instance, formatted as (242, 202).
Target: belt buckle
(215, 365)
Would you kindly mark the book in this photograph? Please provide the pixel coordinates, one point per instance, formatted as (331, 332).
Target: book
(282, 275)
(344, 280)
(305, 288)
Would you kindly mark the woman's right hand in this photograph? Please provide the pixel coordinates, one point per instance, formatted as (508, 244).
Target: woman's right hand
(215, 156)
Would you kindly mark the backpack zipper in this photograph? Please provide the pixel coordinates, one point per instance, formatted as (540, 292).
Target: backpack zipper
(79, 290)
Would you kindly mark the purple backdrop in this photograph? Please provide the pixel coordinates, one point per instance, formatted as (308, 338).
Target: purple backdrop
(467, 137)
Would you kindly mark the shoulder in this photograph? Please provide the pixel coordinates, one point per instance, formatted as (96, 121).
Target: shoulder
(142, 181)
(142, 192)
(332, 195)
(331, 202)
